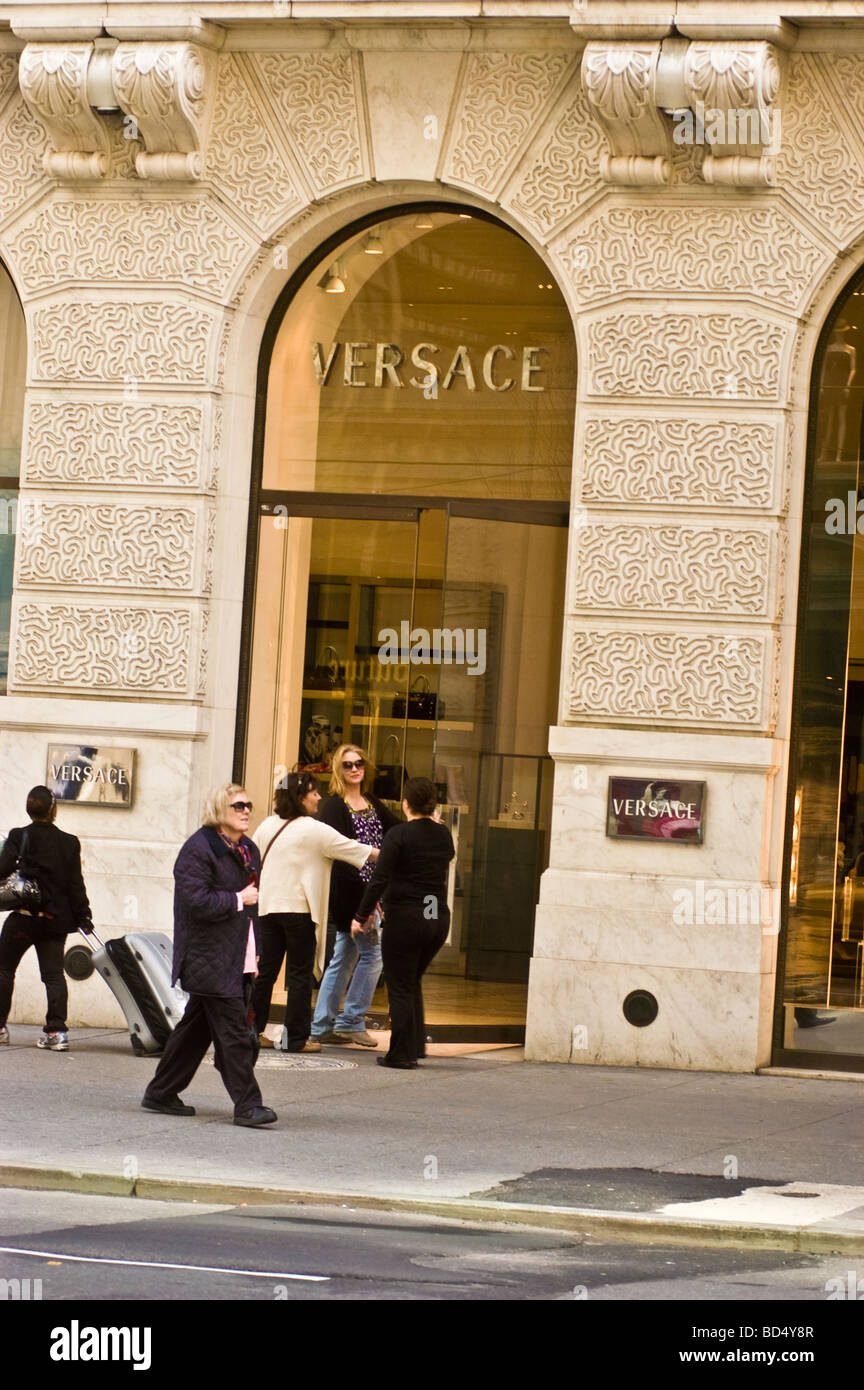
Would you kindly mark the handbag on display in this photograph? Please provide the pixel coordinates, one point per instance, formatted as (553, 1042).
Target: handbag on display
(325, 675)
(388, 778)
(18, 892)
(422, 701)
(853, 908)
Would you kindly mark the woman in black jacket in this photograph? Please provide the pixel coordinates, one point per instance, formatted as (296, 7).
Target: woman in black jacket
(215, 905)
(412, 874)
(53, 859)
(353, 811)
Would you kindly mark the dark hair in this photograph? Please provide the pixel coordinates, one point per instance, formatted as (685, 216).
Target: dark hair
(40, 802)
(288, 800)
(421, 795)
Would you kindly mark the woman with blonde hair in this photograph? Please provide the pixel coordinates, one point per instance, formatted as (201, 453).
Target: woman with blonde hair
(215, 897)
(298, 852)
(353, 811)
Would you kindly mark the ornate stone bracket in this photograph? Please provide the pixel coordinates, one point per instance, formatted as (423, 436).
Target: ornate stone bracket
(619, 80)
(165, 89)
(648, 97)
(53, 79)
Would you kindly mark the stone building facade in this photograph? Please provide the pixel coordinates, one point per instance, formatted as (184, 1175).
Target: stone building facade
(164, 173)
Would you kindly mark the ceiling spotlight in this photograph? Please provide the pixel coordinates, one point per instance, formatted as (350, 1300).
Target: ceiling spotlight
(466, 216)
(333, 282)
(424, 222)
(372, 245)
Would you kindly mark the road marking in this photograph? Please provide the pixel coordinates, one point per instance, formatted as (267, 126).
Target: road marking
(158, 1264)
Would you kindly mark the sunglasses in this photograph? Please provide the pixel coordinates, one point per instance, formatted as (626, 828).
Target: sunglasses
(350, 767)
(241, 805)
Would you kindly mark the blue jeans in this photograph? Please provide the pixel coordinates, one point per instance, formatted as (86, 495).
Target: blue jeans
(348, 950)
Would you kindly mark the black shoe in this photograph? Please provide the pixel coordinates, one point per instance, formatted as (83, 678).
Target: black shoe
(261, 1115)
(174, 1106)
(397, 1066)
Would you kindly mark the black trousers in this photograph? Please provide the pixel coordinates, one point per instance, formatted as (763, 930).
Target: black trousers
(18, 935)
(290, 935)
(222, 1021)
(408, 944)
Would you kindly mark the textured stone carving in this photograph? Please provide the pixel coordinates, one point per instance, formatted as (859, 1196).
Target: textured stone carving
(189, 242)
(209, 551)
(125, 545)
(815, 159)
(95, 648)
(131, 343)
(23, 144)
(244, 158)
(8, 74)
(560, 174)
(112, 441)
(619, 83)
(735, 356)
(53, 80)
(735, 79)
(215, 450)
(203, 655)
(669, 249)
(316, 97)
(167, 88)
(673, 568)
(503, 96)
(723, 463)
(668, 677)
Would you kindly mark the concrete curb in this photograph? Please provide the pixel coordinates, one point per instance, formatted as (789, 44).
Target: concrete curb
(648, 1228)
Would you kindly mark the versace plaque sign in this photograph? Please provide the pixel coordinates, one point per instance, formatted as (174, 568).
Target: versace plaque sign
(91, 776)
(660, 809)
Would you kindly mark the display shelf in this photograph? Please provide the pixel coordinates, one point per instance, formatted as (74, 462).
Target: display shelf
(388, 722)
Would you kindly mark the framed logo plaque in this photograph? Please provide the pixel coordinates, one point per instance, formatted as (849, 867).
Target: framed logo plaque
(91, 776)
(659, 808)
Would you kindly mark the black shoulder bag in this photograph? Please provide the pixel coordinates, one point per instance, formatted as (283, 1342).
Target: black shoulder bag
(18, 892)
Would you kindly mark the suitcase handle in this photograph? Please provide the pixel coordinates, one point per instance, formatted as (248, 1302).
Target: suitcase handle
(92, 932)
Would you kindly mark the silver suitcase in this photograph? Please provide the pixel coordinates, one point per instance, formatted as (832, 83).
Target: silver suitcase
(137, 969)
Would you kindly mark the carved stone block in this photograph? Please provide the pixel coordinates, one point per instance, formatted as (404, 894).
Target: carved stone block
(129, 343)
(102, 648)
(90, 442)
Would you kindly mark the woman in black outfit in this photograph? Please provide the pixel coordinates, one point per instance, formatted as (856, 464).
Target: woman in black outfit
(411, 880)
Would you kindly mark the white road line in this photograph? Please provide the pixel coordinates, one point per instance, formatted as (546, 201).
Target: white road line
(157, 1264)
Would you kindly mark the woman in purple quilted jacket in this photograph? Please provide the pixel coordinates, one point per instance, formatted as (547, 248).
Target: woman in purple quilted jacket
(215, 906)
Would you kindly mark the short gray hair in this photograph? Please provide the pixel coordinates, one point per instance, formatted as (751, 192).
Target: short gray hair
(217, 803)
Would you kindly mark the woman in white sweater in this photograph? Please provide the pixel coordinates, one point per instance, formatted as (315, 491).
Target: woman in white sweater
(297, 852)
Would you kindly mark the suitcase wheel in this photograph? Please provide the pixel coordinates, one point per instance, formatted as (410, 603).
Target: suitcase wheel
(137, 1045)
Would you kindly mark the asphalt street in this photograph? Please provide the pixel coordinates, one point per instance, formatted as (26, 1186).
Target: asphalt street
(85, 1247)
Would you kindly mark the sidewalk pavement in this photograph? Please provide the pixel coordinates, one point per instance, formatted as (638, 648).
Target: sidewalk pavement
(667, 1157)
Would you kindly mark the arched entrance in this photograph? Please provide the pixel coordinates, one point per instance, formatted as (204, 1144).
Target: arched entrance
(821, 988)
(408, 552)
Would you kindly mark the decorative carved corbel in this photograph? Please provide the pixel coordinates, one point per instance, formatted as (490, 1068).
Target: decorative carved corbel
(167, 89)
(730, 89)
(53, 80)
(618, 80)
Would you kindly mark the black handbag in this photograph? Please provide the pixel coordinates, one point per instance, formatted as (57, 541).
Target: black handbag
(422, 704)
(18, 892)
(387, 785)
(323, 677)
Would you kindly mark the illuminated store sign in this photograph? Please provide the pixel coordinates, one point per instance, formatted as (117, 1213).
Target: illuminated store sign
(373, 364)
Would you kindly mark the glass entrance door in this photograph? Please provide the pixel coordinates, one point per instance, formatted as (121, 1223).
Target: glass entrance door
(426, 641)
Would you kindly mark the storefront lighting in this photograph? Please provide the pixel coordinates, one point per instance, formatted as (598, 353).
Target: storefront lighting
(333, 282)
(372, 245)
(466, 216)
(424, 223)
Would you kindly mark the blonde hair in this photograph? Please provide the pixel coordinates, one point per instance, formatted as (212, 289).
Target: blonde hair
(217, 803)
(337, 781)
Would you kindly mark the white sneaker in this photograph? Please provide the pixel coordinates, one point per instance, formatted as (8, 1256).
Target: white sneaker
(55, 1042)
(4, 1036)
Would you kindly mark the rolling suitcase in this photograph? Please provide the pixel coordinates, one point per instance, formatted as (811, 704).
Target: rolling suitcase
(137, 970)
